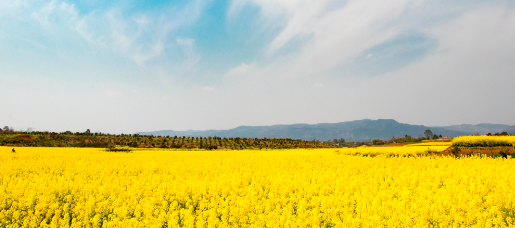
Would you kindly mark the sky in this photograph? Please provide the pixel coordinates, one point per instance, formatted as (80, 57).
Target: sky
(126, 66)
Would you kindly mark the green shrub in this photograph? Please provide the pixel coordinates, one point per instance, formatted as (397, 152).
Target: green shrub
(119, 149)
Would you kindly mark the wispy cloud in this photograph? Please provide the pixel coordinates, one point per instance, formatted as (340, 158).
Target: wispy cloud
(9, 7)
(240, 71)
(5, 4)
(187, 45)
(140, 37)
(317, 37)
(328, 33)
(54, 14)
(235, 8)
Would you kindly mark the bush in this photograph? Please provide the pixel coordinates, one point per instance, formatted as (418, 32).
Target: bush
(378, 142)
(119, 149)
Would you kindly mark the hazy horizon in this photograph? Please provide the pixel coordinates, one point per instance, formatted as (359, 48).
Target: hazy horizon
(127, 66)
(188, 130)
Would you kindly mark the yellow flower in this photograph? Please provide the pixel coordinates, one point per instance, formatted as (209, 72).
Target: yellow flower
(78, 187)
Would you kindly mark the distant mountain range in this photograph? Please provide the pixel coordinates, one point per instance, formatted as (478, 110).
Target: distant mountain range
(357, 130)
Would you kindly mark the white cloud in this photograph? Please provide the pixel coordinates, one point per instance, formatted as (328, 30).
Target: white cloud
(82, 29)
(327, 33)
(318, 84)
(469, 75)
(235, 8)
(54, 14)
(141, 20)
(141, 37)
(5, 4)
(154, 51)
(11, 7)
(489, 30)
(187, 45)
(317, 37)
(241, 70)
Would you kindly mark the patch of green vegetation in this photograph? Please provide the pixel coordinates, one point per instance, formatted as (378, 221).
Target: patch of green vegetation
(100, 140)
(125, 149)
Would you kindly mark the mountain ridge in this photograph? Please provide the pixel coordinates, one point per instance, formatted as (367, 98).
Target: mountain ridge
(356, 130)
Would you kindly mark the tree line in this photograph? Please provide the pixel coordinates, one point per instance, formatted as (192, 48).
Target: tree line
(6, 129)
(102, 140)
(406, 139)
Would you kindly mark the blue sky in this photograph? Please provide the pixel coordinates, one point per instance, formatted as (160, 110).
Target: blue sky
(128, 66)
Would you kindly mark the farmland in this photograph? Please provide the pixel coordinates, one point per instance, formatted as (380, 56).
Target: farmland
(89, 187)
(484, 141)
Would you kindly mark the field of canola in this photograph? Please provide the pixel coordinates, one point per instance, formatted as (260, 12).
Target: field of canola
(483, 141)
(77, 187)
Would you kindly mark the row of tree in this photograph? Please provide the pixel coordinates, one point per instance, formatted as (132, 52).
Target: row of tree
(406, 139)
(504, 133)
(88, 139)
(6, 129)
(105, 140)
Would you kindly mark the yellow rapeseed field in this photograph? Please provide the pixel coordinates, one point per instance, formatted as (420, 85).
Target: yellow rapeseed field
(483, 141)
(78, 187)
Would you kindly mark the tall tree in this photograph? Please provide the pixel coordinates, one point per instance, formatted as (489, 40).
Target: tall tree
(428, 134)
